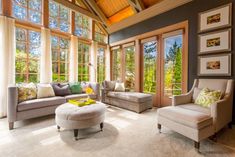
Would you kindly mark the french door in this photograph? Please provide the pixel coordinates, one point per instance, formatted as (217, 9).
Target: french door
(164, 67)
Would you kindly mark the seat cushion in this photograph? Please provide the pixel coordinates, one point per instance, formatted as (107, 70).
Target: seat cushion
(131, 96)
(71, 112)
(184, 116)
(39, 103)
(195, 107)
(79, 96)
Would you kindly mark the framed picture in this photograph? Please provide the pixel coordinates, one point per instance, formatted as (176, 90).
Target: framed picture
(219, 41)
(215, 18)
(214, 65)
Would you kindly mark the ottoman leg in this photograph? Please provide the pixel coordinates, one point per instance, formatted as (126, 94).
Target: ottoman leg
(101, 126)
(58, 127)
(76, 134)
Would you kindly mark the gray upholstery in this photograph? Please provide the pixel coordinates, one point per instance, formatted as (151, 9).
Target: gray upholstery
(38, 107)
(61, 89)
(72, 117)
(39, 103)
(194, 121)
(134, 101)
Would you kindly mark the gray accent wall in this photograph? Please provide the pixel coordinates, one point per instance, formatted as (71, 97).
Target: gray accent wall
(188, 12)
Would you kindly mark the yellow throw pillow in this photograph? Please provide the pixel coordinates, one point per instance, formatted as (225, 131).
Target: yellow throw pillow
(207, 97)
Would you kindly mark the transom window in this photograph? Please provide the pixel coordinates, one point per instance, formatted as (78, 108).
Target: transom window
(59, 17)
(83, 61)
(60, 59)
(27, 55)
(82, 26)
(101, 65)
(99, 35)
(28, 10)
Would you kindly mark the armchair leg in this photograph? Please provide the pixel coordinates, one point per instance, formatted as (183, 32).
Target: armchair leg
(159, 126)
(197, 145)
(11, 125)
(230, 125)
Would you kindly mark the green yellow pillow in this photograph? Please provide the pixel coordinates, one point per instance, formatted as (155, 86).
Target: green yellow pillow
(207, 97)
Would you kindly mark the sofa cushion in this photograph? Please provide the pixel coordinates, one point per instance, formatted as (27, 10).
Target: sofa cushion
(75, 88)
(45, 90)
(109, 85)
(119, 87)
(39, 103)
(195, 107)
(61, 89)
(196, 92)
(26, 91)
(84, 86)
(79, 96)
(131, 96)
(187, 117)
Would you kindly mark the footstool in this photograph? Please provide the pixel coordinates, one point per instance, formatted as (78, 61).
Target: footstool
(72, 117)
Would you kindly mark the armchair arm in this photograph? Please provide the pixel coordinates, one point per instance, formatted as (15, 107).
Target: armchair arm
(12, 102)
(96, 89)
(182, 99)
(221, 111)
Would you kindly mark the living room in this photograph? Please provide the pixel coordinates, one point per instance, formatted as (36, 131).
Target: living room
(117, 78)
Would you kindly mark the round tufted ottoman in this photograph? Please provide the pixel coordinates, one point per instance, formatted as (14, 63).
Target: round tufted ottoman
(69, 116)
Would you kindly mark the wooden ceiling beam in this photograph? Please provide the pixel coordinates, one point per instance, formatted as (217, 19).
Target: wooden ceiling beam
(133, 6)
(137, 5)
(98, 11)
(77, 8)
(140, 4)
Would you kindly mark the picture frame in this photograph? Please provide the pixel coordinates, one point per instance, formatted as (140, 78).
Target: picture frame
(216, 18)
(214, 42)
(214, 65)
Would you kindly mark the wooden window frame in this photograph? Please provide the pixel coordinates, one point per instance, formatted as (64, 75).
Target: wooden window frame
(88, 29)
(84, 64)
(97, 75)
(58, 61)
(27, 12)
(27, 59)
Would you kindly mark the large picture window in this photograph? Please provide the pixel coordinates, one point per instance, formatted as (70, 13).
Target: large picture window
(28, 10)
(150, 66)
(101, 65)
(59, 17)
(130, 67)
(83, 61)
(27, 55)
(116, 64)
(60, 59)
(82, 26)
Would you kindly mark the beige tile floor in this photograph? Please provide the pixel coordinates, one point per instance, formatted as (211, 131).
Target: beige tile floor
(126, 134)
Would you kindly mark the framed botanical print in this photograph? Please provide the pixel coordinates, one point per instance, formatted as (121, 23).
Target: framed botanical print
(215, 18)
(214, 65)
(214, 42)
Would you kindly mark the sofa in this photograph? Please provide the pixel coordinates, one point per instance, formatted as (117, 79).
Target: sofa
(133, 101)
(40, 107)
(195, 121)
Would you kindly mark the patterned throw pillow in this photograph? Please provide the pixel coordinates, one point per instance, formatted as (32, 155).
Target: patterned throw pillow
(84, 86)
(26, 92)
(207, 97)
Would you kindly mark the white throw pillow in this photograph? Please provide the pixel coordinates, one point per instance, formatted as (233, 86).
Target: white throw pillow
(45, 90)
(119, 87)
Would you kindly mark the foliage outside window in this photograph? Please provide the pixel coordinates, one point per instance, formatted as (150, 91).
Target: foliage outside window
(101, 65)
(173, 65)
(28, 54)
(60, 59)
(28, 10)
(150, 66)
(59, 17)
(99, 35)
(130, 67)
(83, 61)
(82, 26)
(116, 64)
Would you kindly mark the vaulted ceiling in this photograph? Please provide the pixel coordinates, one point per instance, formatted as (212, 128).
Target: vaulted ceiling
(114, 12)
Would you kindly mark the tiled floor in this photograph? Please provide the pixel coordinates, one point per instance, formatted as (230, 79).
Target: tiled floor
(126, 134)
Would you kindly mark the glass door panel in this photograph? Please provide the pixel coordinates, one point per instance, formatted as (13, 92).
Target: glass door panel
(116, 65)
(130, 67)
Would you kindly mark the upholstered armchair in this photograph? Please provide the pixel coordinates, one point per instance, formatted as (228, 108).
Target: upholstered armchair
(194, 121)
